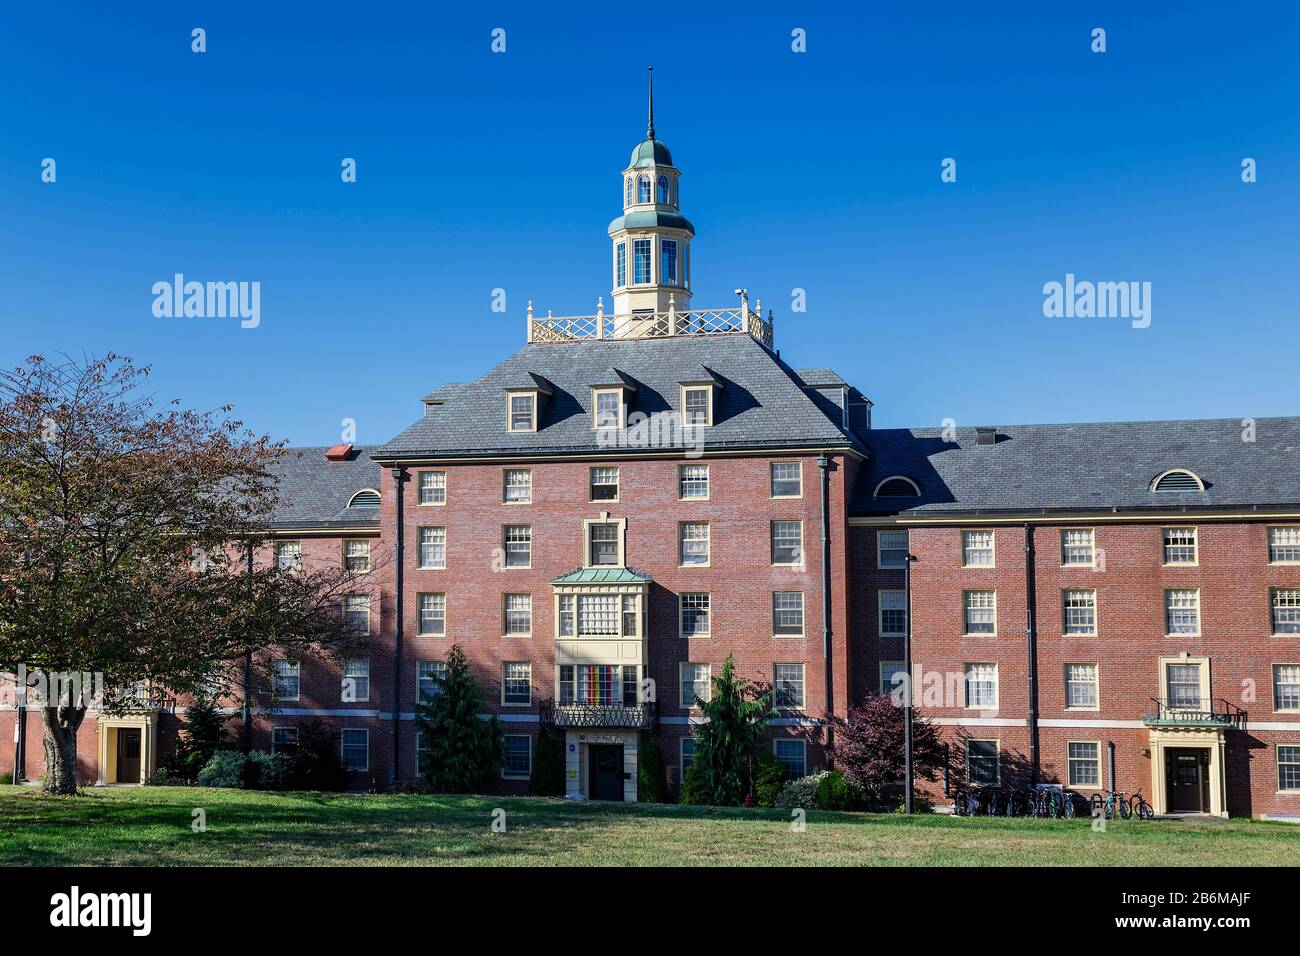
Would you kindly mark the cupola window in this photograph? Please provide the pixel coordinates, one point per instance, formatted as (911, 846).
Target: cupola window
(641, 260)
(643, 189)
(627, 191)
(668, 262)
(663, 191)
(620, 264)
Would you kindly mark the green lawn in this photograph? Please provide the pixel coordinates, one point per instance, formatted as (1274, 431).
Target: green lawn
(152, 826)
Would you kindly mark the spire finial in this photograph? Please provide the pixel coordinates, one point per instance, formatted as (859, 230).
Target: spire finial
(650, 130)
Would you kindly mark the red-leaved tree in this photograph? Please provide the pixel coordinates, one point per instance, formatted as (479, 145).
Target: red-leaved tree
(868, 747)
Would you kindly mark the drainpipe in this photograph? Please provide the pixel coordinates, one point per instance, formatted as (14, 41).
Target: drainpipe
(20, 737)
(824, 464)
(246, 732)
(1110, 762)
(399, 478)
(1031, 641)
(907, 700)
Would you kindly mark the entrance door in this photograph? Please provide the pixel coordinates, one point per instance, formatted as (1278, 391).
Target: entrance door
(1187, 779)
(606, 771)
(128, 755)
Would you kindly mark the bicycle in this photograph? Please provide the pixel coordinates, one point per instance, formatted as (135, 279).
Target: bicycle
(1140, 808)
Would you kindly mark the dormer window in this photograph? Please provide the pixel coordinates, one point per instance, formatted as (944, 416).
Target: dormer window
(643, 189)
(663, 191)
(607, 408)
(522, 411)
(1177, 479)
(697, 397)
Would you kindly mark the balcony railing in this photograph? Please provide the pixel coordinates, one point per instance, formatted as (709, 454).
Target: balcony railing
(650, 325)
(639, 717)
(1213, 713)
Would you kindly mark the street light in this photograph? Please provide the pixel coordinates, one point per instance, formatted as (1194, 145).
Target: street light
(907, 665)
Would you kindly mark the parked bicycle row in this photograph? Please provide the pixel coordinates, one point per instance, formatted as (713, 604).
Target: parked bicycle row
(1050, 803)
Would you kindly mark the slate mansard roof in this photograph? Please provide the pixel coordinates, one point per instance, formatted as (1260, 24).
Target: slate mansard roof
(1093, 467)
(761, 403)
(314, 492)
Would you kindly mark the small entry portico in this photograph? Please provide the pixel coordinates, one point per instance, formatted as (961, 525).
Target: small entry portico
(128, 748)
(601, 765)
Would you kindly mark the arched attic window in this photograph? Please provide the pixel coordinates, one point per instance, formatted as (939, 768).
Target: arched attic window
(897, 486)
(1177, 479)
(367, 498)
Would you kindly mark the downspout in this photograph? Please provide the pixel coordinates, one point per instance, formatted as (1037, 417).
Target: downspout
(246, 732)
(20, 737)
(824, 464)
(907, 668)
(399, 478)
(1031, 641)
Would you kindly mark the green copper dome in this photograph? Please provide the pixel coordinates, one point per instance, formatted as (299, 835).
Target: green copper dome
(651, 152)
(649, 219)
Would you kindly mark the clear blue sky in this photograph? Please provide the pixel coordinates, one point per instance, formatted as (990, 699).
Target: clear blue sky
(817, 170)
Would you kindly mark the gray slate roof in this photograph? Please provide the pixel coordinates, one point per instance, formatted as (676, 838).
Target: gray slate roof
(1091, 467)
(315, 492)
(762, 402)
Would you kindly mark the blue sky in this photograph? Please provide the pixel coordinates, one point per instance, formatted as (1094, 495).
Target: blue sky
(818, 171)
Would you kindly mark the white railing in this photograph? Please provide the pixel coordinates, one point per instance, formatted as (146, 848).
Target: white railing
(649, 325)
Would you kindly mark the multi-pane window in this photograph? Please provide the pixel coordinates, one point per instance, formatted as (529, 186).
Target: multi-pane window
(787, 613)
(355, 747)
(566, 615)
(787, 479)
(598, 615)
(891, 549)
(981, 612)
(667, 253)
(518, 613)
(694, 542)
(421, 752)
(356, 556)
(605, 684)
(981, 685)
(1183, 685)
(1284, 544)
(521, 413)
(355, 685)
(695, 405)
(1084, 760)
(977, 549)
(641, 253)
(604, 484)
(517, 682)
(433, 487)
(620, 257)
(688, 754)
(643, 189)
(1288, 767)
(1081, 686)
(787, 542)
(892, 673)
(433, 615)
(693, 481)
(519, 756)
(288, 555)
(629, 616)
(603, 543)
(1080, 611)
(695, 614)
(1182, 612)
(982, 764)
(787, 683)
(1286, 610)
(356, 613)
(1180, 545)
(284, 679)
(518, 485)
(433, 547)
(893, 613)
(695, 683)
(518, 541)
(1077, 547)
(609, 408)
(428, 677)
(1286, 686)
(284, 740)
(793, 756)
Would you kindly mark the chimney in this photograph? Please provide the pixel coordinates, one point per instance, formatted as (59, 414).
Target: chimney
(339, 453)
(986, 436)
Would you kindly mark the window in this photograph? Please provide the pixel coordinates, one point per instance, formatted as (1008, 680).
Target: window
(518, 486)
(787, 682)
(787, 613)
(620, 261)
(1080, 611)
(898, 486)
(421, 752)
(288, 555)
(433, 487)
(668, 262)
(695, 614)
(630, 615)
(977, 549)
(697, 405)
(1183, 686)
(355, 687)
(1286, 686)
(627, 191)
(433, 615)
(518, 541)
(1288, 767)
(356, 748)
(981, 612)
(1180, 545)
(663, 191)
(792, 755)
(516, 683)
(428, 677)
(1182, 612)
(688, 755)
(696, 683)
(694, 542)
(982, 763)
(604, 484)
(1081, 686)
(433, 548)
(787, 479)
(284, 680)
(1077, 547)
(1286, 610)
(564, 617)
(604, 684)
(603, 541)
(1084, 763)
(518, 614)
(891, 549)
(1284, 545)
(598, 615)
(643, 189)
(356, 556)
(631, 689)
(693, 481)
(519, 757)
(608, 408)
(522, 412)
(1177, 480)
(369, 498)
(356, 613)
(284, 740)
(641, 261)
(892, 673)
(787, 542)
(893, 613)
(982, 686)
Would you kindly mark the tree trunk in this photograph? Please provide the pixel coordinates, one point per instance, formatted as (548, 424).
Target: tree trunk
(61, 726)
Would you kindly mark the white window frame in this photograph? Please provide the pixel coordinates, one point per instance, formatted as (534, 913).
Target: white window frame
(604, 471)
(427, 481)
(1070, 762)
(772, 478)
(513, 530)
(968, 672)
(420, 543)
(1271, 545)
(802, 703)
(1180, 531)
(619, 419)
(351, 606)
(881, 549)
(997, 761)
(803, 753)
(1203, 677)
(506, 486)
(284, 729)
(620, 533)
(682, 480)
(799, 558)
(966, 610)
(276, 677)
(1170, 610)
(506, 678)
(1095, 682)
(1293, 748)
(506, 611)
(803, 620)
(967, 550)
(683, 540)
(363, 545)
(1066, 546)
(435, 669)
(681, 684)
(343, 747)
(288, 555)
(433, 608)
(708, 404)
(362, 663)
(505, 765)
(887, 670)
(881, 609)
(708, 614)
(533, 401)
(1067, 595)
(1277, 702)
(1275, 605)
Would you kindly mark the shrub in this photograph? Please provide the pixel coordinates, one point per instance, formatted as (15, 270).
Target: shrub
(919, 804)
(165, 776)
(6, 778)
(834, 792)
(201, 736)
(769, 778)
(225, 769)
(651, 779)
(695, 786)
(267, 771)
(868, 746)
(801, 792)
(548, 767)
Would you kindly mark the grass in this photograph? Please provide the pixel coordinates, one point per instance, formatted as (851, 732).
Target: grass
(152, 826)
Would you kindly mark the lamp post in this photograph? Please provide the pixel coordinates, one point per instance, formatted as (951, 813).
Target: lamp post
(907, 698)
